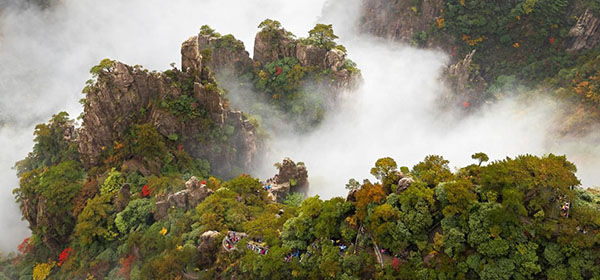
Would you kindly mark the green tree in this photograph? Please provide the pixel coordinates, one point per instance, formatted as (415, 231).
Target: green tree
(96, 222)
(54, 142)
(481, 157)
(433, 170)
(136, 216)
(322, 36)
(113, 182)
(386, 170)
(207, 31)
(270, 25)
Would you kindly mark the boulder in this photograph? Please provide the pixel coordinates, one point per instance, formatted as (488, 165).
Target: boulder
(311, 56)
(291, 177)
(196, 192)
(208, 247)
(278, 192)
(192, 195)
(288, 171)
(179, 199)
(403, 184)
(335, 59)
(162, 210)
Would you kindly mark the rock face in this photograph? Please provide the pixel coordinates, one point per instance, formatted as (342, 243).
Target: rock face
(190, 55)
(465, 82)
(208, 247)
(291, 177)
(226, 53)
(124, 96)
(585, 33)
(403, 184)
(122, 198)
(309, 55)
(272, 45)
(192, 195)
(398, 20)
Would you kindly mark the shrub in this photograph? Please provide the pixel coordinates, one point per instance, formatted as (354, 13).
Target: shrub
(136, 216)
(113, 182)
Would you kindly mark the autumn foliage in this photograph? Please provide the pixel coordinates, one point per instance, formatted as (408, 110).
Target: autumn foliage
(64, 255)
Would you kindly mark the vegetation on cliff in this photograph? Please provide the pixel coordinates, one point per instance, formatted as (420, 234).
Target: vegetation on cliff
(518, 218)
(300, 78)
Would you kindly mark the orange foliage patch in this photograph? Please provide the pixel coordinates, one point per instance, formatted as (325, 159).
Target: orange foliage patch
(367, 194)
(471, 41)
(588, 88)
(440, 22)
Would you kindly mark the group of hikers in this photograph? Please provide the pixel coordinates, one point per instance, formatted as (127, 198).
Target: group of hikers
(257, 248)
(232, 238)
(564, 210)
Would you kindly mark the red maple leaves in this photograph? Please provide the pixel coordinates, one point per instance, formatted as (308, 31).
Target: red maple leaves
(64, 255)
(146, 191)
(25, 246)
(396, 263)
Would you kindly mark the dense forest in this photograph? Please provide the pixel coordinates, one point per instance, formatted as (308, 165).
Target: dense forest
(156, 182)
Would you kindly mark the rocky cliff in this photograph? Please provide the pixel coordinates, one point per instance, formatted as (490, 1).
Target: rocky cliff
(465, 84)
(495, 46)
(185, 107)
(272, 44)
(398, 20)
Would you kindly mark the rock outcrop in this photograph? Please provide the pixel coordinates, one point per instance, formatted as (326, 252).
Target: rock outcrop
(271, 45)
(227, 54)
(403, 184)
(465, 83)
(291, 177)
(586, 32)
(185, 103)
(208, 247)
(194, 193)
